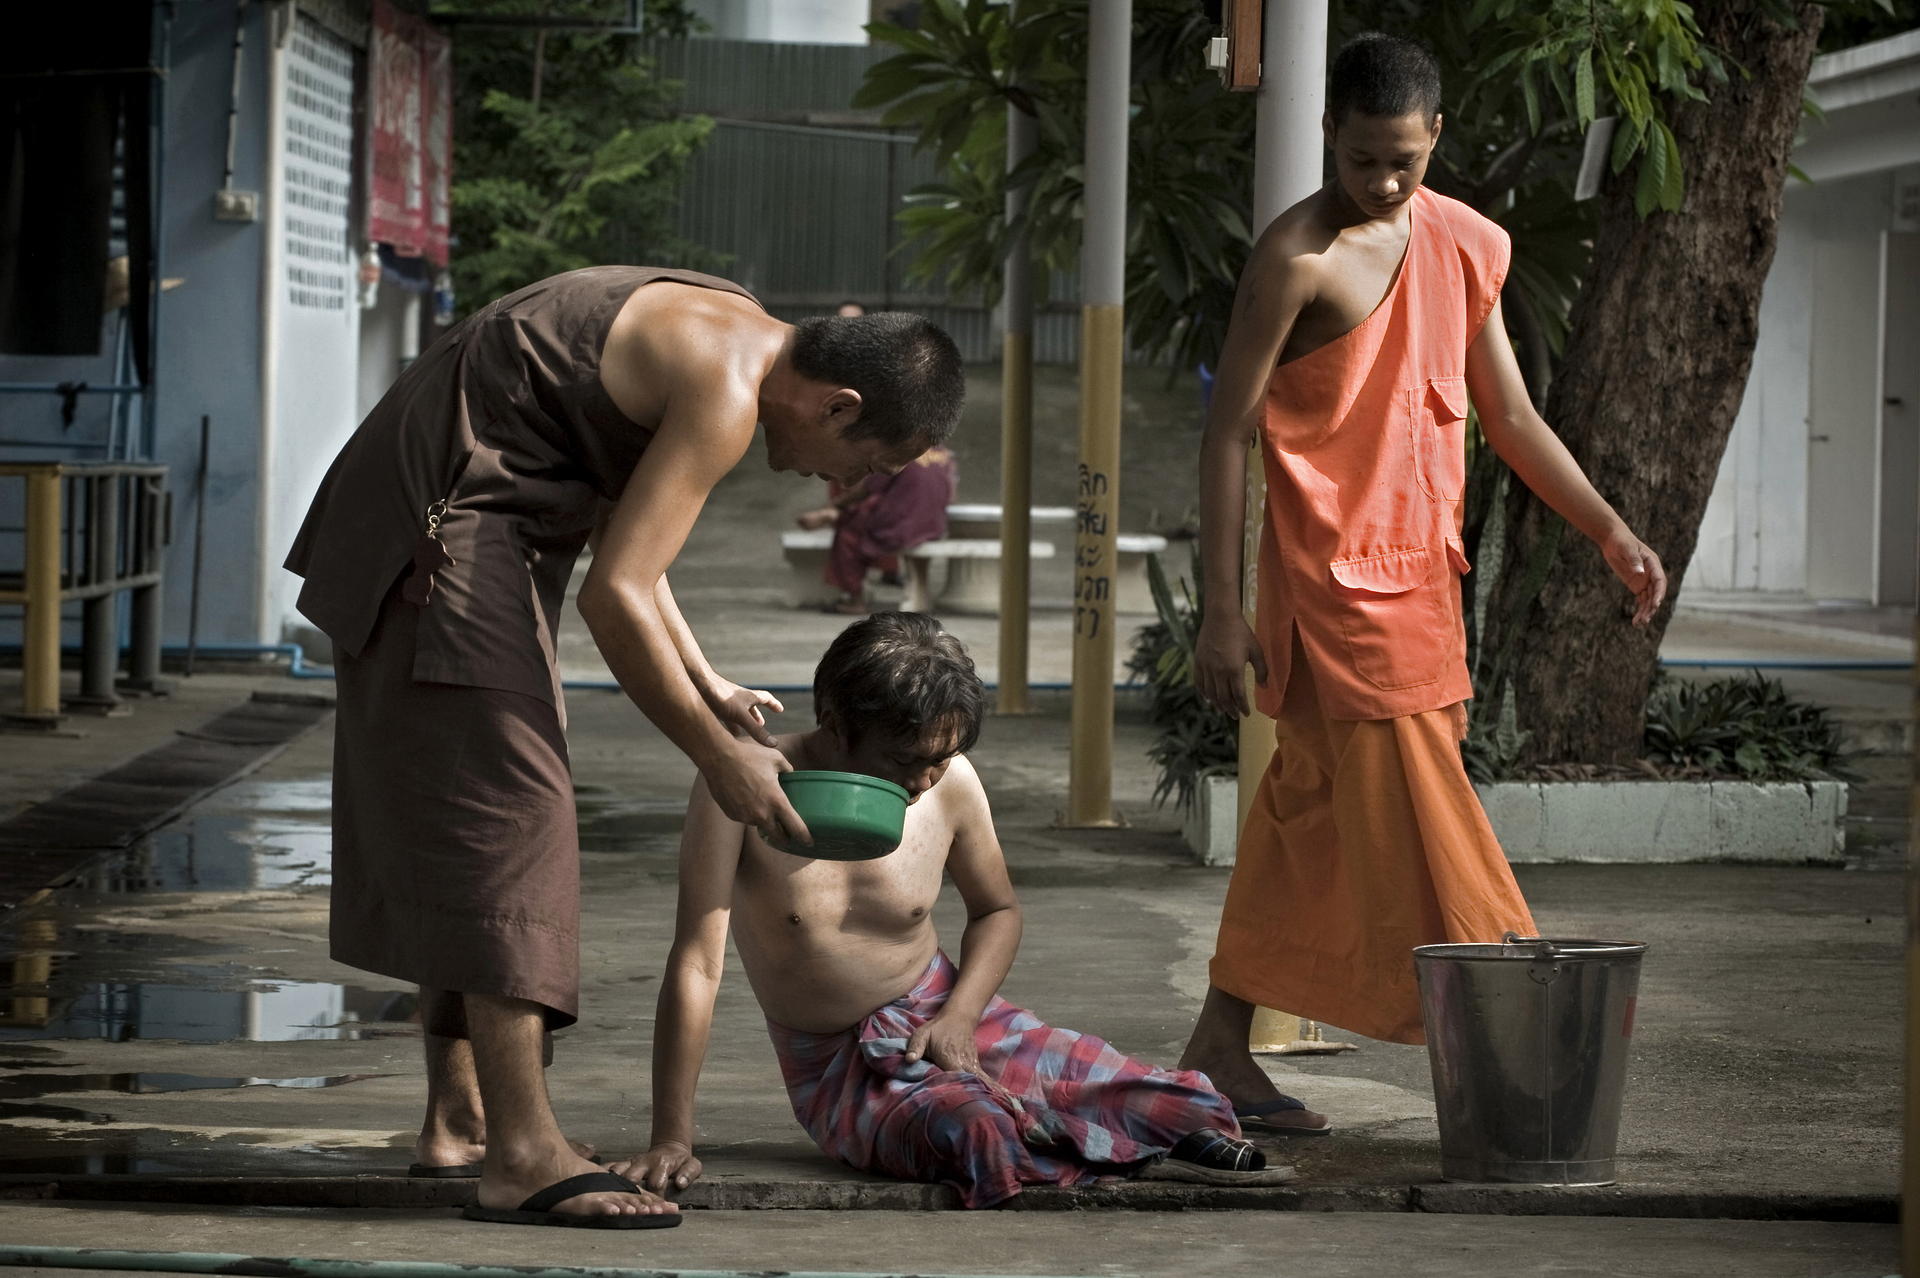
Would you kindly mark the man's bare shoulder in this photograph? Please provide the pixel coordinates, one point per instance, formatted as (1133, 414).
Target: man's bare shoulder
(961, 790)
(1295, 244)
(671, 337)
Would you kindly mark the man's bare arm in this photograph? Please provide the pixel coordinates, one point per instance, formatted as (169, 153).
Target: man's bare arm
(978, 869)
(703, 433)
(740, 709)
(1526, 443)
(683, 1021)
(1273, 290)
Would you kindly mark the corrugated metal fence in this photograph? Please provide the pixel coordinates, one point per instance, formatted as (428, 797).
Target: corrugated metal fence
(799, 191)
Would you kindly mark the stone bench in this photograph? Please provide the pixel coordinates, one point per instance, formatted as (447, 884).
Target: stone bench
(1132, 590)
(972, 581)
(973, 570)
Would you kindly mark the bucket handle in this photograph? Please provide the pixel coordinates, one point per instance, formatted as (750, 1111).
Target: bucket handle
(1545, 967)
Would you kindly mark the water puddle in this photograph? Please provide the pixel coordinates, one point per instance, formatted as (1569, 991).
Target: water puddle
(217, 852)
(222, 1010)
(31, 1086)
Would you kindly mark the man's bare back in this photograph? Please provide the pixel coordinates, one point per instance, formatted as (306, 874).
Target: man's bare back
(667, 330)
(826, 942)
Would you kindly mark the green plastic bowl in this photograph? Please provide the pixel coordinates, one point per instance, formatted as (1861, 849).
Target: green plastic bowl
(851, 817)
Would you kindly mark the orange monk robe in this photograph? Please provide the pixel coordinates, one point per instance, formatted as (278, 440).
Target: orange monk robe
(1366, 838)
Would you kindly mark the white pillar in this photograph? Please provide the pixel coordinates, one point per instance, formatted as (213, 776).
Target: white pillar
(1287, 157)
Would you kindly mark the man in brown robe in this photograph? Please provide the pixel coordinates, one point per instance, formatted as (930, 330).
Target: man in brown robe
(602, 404)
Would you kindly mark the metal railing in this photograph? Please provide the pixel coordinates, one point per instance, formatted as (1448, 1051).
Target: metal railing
(93, 529)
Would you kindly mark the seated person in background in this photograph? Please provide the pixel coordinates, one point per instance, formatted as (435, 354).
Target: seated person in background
(877, 520)
(896, 1060)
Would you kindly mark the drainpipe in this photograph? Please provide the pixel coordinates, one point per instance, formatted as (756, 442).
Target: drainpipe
(1016, 428)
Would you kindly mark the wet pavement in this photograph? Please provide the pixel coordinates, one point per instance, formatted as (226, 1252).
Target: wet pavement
(1763, 1081)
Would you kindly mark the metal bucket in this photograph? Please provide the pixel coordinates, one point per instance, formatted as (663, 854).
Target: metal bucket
(1528, 1043)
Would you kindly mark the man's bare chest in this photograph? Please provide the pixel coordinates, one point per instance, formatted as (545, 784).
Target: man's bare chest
(1355, 280)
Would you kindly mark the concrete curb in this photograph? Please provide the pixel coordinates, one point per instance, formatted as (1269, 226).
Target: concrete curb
(1643, 1201)
(1668, 821)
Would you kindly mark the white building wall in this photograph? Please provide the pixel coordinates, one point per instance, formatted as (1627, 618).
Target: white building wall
(310, 395)
(1754, 535)
(789, 21)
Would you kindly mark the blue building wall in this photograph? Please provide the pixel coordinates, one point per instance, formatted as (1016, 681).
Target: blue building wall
(209, 354)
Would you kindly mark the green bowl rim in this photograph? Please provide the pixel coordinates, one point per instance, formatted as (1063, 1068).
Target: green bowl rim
(854, 778)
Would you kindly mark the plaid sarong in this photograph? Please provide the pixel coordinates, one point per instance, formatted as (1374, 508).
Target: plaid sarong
(1051, 1107)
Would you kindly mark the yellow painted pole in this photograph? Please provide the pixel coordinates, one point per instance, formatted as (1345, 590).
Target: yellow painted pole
(1090, 775)
(41, 660)
(1272, 1031)
(1102, 352)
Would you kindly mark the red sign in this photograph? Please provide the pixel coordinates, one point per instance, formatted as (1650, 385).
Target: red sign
(412, 89)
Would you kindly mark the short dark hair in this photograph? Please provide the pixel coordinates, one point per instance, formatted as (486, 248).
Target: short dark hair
(1379, 74)
(905, 367)
(899, 675)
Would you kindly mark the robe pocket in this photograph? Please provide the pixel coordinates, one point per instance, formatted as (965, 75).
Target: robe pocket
(1394, 616)
(1437, 416)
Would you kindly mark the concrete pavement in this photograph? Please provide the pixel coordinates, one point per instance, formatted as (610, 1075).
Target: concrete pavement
(1191, 1244)
(189, 1021)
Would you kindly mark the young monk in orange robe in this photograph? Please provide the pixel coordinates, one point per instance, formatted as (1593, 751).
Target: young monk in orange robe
(1367, 314)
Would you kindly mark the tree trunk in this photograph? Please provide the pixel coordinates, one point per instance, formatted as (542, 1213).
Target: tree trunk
(1662, 337)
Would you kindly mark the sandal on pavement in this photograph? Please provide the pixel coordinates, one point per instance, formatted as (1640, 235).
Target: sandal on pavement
(1259, 1118)
(447, 1171)
(1211, 1157)
(538, 1210)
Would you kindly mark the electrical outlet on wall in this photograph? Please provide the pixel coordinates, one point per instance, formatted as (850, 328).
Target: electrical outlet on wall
(236, 206)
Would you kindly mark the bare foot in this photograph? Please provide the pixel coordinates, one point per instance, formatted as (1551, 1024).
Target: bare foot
(506, 1183)
(1242, 1081)
(453, 1151)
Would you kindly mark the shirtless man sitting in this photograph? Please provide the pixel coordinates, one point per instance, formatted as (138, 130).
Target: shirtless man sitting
(896, 1060)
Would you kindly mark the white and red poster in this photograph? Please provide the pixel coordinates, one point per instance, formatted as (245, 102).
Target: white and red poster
(412, 78)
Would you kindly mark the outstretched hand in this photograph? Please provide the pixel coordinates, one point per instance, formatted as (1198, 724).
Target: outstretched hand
(1639, 569)
(741, 710)
(667, 1167)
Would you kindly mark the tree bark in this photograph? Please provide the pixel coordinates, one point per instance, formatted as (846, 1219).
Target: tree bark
(1662, 338)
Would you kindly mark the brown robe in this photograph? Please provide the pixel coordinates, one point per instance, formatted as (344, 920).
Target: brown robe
(456, 853)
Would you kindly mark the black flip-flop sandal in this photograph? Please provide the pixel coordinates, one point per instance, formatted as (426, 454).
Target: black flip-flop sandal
(450, 1171)
(538, 1209)
(1211, 1157)
(1254, 1118)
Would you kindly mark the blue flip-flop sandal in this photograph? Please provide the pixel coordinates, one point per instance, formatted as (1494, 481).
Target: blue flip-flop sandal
(1255, 1118)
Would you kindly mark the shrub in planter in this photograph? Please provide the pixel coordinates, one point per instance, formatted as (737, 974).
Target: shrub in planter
(1192, 741)
(1746, 726)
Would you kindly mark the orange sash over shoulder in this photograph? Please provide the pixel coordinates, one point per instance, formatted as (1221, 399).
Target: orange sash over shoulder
(1365, 447)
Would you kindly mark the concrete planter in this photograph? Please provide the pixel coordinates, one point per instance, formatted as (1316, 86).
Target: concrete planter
(1211, 827)
(1651, 821)
(1620, 821)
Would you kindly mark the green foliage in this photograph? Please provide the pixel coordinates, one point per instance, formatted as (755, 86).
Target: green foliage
(1492, 748)
(567, 148)
(1189, 162)
(1745, 726)
(1192, 740)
